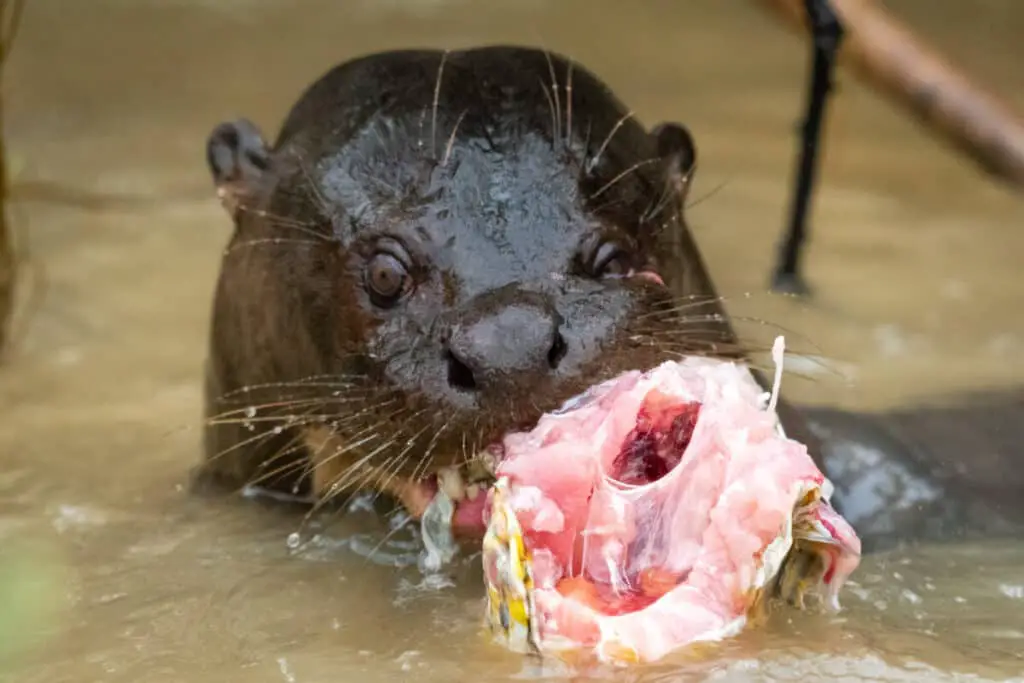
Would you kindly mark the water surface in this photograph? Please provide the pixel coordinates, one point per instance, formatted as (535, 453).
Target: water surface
(914, 258)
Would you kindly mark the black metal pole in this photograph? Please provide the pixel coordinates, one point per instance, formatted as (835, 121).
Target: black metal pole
(827, 34)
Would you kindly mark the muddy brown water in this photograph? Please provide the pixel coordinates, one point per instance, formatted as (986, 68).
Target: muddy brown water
(914, 258)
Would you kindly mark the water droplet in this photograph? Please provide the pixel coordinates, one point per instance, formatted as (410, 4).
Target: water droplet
(294, 540)
(278, 429)
(250, 411)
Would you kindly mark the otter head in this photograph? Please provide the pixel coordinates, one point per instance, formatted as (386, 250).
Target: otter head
(453, 244)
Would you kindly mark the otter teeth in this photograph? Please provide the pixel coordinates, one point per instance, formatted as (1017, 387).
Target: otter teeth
(450, 482)
(488, 462)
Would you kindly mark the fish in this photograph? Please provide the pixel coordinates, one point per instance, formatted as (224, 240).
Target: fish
(658, 511)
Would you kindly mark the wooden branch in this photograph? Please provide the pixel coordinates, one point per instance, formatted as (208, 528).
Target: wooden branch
(888, 57)
(11, 12)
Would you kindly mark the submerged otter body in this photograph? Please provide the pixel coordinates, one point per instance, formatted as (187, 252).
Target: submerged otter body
(438, 248)
(944, 470)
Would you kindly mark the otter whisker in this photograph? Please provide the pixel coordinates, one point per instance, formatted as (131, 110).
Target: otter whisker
(437, 97)
(749, 362)
(326, 207)
(705, 353)
(353, 470)
(710, 330)
(338, 424)
(234, 406)
(451, 138)
(387, 537)
(568, 103)
(592, 164)
(320, 381)
(476, 434)
(261, 436)
(672, 321)
(709, 194)
(275, 241)
(680, 307)
(713, 317)
(605, 206)
(279, 220)
(557, 132)
(423, 466)
(250, 412)
(283, 221)
(693, 341)
(293, 448)
(384, 475)
(672, 191)
(466, 457)
(311, 417)
(384, 481)
(346, 480)
(551, 106)
(255, 388)
(620, 176)
(290, 420)
(721, 339)
(255, 408)
(326, 391)
(343, 480)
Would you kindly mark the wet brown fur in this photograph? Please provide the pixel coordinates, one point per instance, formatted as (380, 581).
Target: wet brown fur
(297, 405)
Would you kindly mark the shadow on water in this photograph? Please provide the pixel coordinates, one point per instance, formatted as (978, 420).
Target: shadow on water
(914, 259)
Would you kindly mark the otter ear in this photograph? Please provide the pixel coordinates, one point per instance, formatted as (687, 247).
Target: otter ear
(237, 158)
(678, 153)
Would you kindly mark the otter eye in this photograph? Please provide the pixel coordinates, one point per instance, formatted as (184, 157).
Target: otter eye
(609, 261)
(387, 279)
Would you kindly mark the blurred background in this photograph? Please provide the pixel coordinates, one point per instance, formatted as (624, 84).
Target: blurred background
(914, 258)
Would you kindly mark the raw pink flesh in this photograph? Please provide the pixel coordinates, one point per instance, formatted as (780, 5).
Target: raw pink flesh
(647, 507)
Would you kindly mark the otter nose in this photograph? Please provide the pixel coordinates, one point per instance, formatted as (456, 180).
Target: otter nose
(504, 347)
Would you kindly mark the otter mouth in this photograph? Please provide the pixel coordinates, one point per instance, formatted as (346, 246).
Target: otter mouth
(656, 510)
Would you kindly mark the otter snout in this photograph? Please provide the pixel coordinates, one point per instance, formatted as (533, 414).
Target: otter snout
(501, 344)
